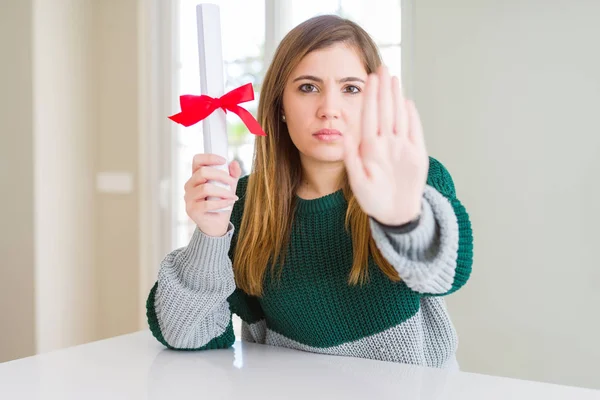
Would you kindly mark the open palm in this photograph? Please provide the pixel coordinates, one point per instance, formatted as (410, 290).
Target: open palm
(387, 164)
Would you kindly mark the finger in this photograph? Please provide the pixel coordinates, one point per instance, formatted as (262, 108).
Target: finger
(369, 123)
(385, 103)
(415, 129)
(201, 192)
(401, 111)
(353, 162)
(204, 159)
(212, 205)
(205, 174)
(235, 171)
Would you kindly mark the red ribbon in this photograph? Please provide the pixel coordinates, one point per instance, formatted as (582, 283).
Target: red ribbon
(195, 108)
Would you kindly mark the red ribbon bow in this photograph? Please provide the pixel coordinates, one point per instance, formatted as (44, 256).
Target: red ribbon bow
(195, 108)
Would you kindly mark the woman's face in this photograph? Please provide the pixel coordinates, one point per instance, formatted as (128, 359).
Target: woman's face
(322, 101)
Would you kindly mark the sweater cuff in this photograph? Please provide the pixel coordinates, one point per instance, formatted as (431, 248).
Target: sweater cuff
(415, 244)
(205, 256)
(399, 229)
(426, 257)
(202, 246)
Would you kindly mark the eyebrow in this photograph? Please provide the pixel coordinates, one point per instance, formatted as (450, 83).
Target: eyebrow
(319, 80)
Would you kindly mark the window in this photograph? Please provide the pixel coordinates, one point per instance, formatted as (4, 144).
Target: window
(382, 23)
(243, 33)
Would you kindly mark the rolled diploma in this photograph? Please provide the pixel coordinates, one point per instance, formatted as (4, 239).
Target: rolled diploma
(212, 84)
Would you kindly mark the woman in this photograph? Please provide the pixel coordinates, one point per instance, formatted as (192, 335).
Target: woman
(346, 234)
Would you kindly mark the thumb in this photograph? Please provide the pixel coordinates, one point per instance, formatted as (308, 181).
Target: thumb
(352, 161)
(235, 171)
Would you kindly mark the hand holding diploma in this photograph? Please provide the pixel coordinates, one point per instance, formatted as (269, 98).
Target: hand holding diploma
(210, 108)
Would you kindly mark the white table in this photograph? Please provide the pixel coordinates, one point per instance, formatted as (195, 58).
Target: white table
(136, 366)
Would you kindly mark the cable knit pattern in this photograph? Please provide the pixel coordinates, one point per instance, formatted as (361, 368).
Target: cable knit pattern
(192, 290)
(311, 306)
(426, 257)
(427, 338)
(256, 332)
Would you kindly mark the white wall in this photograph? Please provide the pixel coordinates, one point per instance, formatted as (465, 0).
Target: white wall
(115, 59)
(65, 136)
(68, 109)
(16, 182)
(509, 94)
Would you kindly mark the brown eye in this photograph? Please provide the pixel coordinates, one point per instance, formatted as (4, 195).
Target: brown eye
(308, 88)
(352, 89)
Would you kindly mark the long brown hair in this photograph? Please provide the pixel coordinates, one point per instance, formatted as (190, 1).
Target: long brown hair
(270, 195)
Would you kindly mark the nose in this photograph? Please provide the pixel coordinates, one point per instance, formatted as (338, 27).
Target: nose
(330, 105)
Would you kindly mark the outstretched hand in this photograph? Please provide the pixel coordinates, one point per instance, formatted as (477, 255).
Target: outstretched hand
(387, 164)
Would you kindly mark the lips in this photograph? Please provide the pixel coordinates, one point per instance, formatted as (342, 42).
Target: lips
(328, 135)
(327, 132)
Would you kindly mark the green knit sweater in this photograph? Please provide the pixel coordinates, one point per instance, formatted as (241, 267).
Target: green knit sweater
(311, 306)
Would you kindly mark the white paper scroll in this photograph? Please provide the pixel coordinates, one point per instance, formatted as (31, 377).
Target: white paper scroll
(212, 83)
